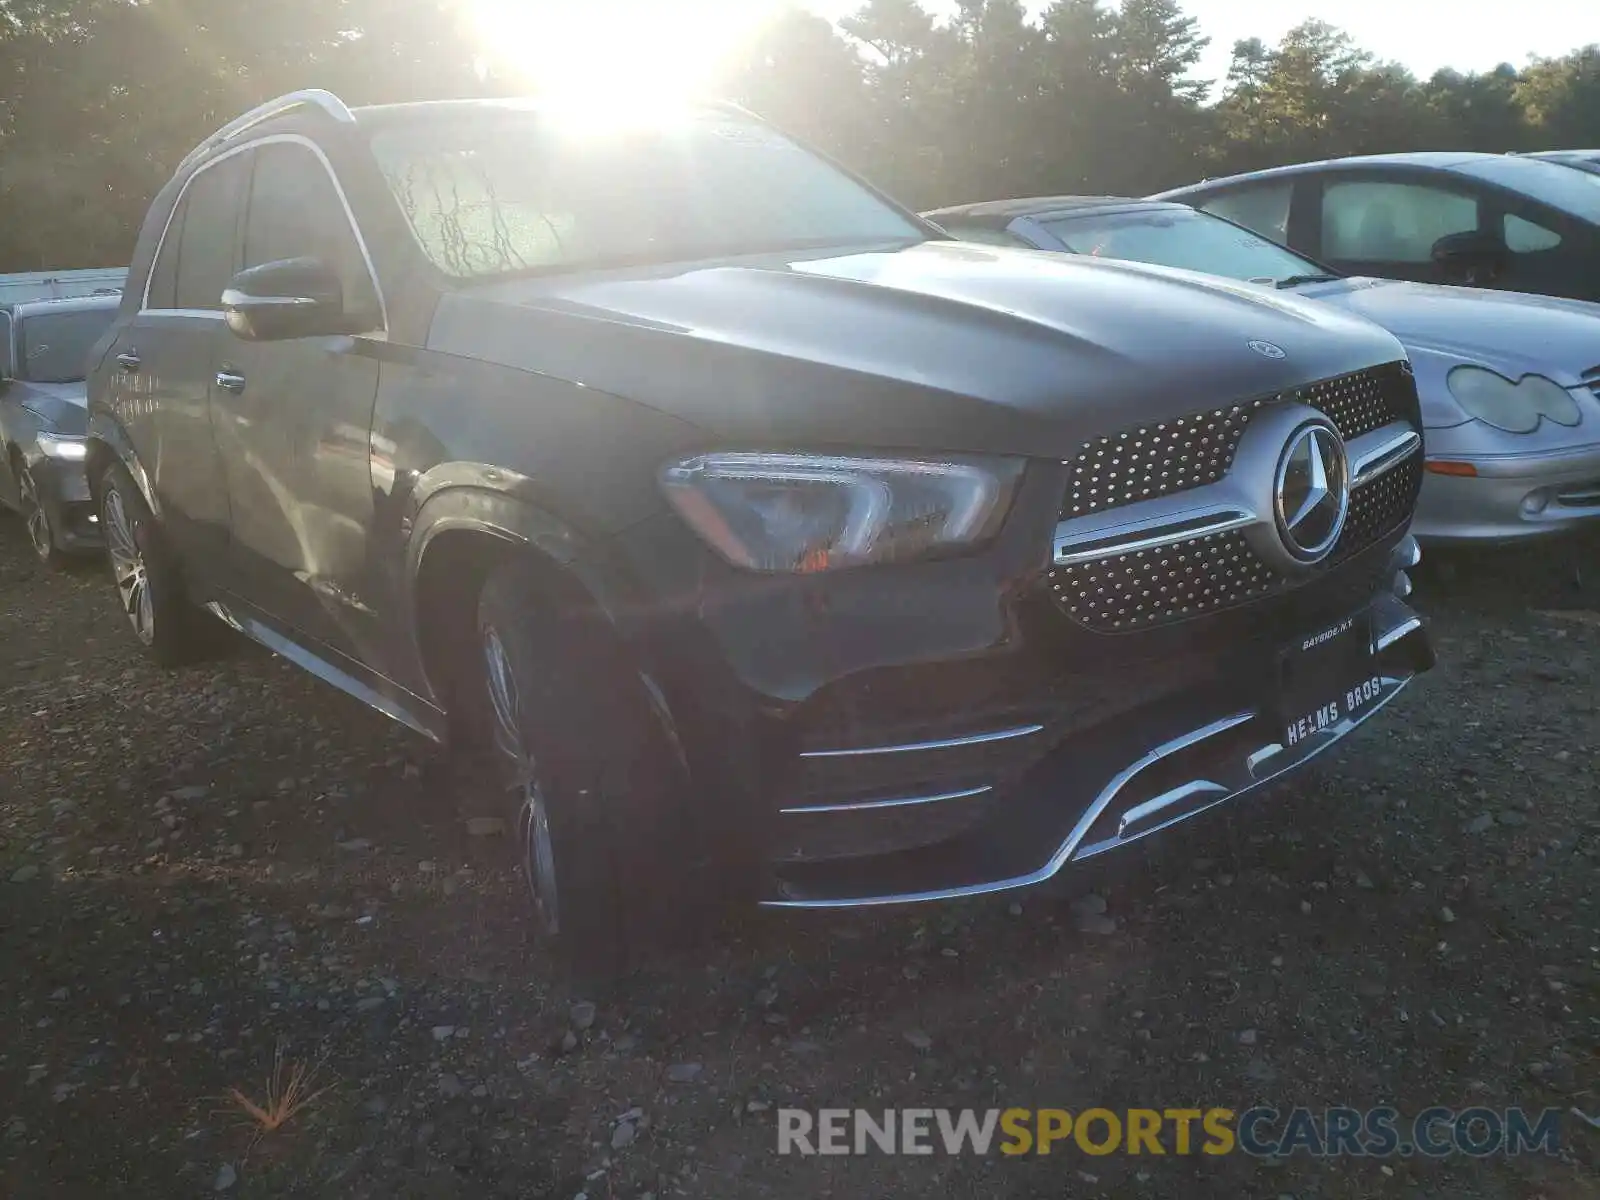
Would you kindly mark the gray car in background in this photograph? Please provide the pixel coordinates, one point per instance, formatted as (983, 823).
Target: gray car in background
(1509, 383)
(44, 357)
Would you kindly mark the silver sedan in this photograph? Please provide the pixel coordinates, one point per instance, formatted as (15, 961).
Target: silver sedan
(1509, 383)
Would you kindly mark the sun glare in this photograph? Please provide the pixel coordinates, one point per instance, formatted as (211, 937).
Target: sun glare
(614, 54)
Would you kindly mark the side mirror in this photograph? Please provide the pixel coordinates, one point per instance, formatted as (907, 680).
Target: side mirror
(1472, 258)
(290, 298)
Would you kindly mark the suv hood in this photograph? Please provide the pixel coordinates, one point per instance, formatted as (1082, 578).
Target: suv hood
(941, 345)
(1512, 332)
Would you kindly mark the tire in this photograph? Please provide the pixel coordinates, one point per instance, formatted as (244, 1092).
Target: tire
(36, 518)
(595, 790)
(149, 586)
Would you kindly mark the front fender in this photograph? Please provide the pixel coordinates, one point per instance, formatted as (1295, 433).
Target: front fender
(483, 500)
(107, 431)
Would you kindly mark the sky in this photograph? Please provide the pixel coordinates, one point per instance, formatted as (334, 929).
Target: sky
(1424, 35)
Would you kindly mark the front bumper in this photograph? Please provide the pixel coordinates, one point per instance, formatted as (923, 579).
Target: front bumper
(64, 492)
(1102, 787)
(1510, 497)
(940, 729)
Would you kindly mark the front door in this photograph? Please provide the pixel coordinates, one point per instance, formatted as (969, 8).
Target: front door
(162, 365)
(293, 419)
(1387, 227)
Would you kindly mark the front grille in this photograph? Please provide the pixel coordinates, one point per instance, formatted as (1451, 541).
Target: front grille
(1364, 400)
(1173, 583)
(1208, 574)
(1591, 380)
(1191, 451)
(1380, 507)
(1155, 460)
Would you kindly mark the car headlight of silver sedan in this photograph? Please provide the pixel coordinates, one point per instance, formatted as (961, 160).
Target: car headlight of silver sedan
(63, 445)
(1516, 406)
(820, 512)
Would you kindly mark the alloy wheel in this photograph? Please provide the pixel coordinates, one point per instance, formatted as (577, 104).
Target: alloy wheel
(128, 565)
(38, 521)
(533, 813)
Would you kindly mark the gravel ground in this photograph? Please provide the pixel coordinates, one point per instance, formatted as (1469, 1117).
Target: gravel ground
(203, 871)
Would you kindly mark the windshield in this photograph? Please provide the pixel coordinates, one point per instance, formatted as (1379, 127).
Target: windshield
(1575, 192)
(55, 346)
(518, 192)
(1173, 237)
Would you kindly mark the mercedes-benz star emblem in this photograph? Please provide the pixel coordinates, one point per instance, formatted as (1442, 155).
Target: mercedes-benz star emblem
(1268, 350)
(1311, 494)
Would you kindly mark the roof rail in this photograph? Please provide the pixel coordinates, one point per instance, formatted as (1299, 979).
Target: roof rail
(314, 99)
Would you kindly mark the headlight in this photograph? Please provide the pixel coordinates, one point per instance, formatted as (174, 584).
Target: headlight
(1514, 407)
(61, 445)
(807, 512)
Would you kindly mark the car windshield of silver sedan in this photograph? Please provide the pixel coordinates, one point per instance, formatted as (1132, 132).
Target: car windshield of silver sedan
(1189, 240)
(524, 193)
(55, 346)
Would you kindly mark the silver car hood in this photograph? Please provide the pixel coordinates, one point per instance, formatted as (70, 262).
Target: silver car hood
(1512, 332)
(63, 405)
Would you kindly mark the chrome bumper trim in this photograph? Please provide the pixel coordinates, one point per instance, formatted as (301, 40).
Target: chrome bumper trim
(896, 802)
(1253, 771)
(1064, 851)
(1195, 787)
(977, 739)
(1390, 636)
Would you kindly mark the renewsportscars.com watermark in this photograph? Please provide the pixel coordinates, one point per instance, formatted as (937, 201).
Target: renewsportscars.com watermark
(1261, 1132)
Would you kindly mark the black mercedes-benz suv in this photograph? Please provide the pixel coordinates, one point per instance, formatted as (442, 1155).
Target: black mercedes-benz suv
(753, 529)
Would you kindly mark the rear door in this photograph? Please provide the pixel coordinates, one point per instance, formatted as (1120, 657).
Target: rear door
(295, 421)
(1548, 252)
(163, 366)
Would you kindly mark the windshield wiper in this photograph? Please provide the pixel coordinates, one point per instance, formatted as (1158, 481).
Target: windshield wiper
(1297, 280)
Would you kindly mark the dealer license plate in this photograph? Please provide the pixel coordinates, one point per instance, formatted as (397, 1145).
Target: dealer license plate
(1326, 677)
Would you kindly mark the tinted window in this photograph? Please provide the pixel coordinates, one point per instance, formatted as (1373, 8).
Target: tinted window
(1576, 192)
(1264, 209)
(1178, 237)
(1526, 237)
(515, 191)
(164, 275)
(1391, 222)
(206, 247)
(295, 212)
(55, 346)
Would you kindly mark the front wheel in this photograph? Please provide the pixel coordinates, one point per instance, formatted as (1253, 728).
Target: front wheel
(595, 788)
(149, 586)
(41, 534)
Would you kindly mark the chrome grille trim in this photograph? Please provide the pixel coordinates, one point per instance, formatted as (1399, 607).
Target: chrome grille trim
(1216, 508)
(896, 802)
(1373, 454)
(1146, 526)
(976, 739)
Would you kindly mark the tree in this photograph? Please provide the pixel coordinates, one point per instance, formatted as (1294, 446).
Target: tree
(104, 97)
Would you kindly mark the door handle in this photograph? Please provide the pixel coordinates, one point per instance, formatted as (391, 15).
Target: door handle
(128, 360)
(230, 381)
